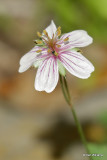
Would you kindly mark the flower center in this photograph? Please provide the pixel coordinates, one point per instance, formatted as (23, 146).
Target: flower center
(48, 42)
(55, 53)
(52, 52)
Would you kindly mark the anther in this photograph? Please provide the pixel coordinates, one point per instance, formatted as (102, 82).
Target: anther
(45, 33)
(56, 54)
(39, 34)
(59, 31)
(58, 45)
(38, 42)
(66, 39)
(38, 51)
(49, 51)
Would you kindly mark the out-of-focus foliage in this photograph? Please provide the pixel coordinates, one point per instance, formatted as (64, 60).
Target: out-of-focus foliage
(100, 150)
(81, 14)
(5, 23)
(103, 118)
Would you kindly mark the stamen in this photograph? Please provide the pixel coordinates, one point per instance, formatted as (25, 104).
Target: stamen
(56, 54)
(53, 36)
(39, 34)
(66, 39)
(45, 33)
(49, 51)
(38, 41)
(59, 31)
(58, 45)
(38, 51)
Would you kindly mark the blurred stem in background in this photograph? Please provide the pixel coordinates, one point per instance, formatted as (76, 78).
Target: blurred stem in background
(67, 97)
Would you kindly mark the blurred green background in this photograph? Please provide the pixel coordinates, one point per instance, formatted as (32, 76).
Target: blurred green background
(37, 125)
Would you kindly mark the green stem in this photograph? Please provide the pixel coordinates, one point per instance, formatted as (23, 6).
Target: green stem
(63, 90)
(67, 97)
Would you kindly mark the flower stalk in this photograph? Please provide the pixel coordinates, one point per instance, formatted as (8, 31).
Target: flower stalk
(67, 97)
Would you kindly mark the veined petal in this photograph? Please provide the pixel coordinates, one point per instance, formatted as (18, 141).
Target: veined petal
(47, 75)
(30, 55)
(29, 58)
(78, 38)
(51, 29)
(76, 64)
(40, 58)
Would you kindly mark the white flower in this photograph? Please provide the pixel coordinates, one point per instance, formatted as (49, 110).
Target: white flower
(54, 54)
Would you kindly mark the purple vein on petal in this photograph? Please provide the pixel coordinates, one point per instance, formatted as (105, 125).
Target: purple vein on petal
(72, 62)
(73, 55)
(62, 60)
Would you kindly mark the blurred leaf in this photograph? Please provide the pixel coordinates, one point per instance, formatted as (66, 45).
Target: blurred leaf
(98, 149)
(81, 14)
(5, 23)
(99, 7)
(103, 118)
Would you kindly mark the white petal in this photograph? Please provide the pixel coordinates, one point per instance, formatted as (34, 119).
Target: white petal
(29, 56)
(37, 63)
(24, 67)
(51, 29)
(47, 75)
(76, 64)
(78, 38)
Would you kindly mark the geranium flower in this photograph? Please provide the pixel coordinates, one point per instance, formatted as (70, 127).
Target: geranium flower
(54, 53)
